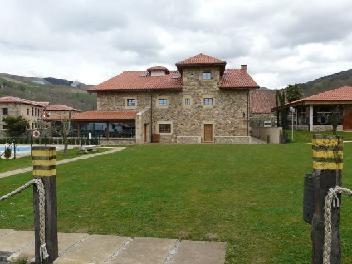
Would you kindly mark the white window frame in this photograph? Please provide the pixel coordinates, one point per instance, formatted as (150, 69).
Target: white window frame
(158, 105)
(165, 123)
(208, 105)
(187, 97)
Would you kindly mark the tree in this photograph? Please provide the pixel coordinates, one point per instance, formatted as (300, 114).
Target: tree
(16, 126)
(293, 93)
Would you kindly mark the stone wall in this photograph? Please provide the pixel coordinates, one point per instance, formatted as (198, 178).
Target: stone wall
(118, 141)
(232, 139)
(228, 114)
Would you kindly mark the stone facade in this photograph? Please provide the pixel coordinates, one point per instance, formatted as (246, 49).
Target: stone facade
(228, 115)
(29, 112)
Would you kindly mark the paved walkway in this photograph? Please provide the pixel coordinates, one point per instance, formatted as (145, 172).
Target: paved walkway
(60, 162)
(83, 248)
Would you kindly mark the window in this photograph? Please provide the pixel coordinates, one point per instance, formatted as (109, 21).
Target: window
(4, 111)
(206, 75)
(27, 111)
(131, 102)
(187, 101)
(32, 111)
(163, 102)
(165, 128)
(208, 101)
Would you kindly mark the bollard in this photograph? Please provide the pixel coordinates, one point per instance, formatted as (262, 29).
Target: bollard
(44, 168)
(327, 168)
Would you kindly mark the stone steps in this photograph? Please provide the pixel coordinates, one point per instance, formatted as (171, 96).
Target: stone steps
(83, 248)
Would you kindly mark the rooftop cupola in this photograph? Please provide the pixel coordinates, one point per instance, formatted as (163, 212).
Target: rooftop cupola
(201, 60)
(158, 71)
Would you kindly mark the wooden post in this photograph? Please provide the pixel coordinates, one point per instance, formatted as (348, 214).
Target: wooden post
(327, 166)
(44, 168)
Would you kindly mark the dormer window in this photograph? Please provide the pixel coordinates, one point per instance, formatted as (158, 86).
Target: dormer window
(158, 71)
(207, 75)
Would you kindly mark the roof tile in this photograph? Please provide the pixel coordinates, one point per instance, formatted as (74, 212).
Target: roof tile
(237, 78)
(200, 59)
(340, 94)
(262, 101)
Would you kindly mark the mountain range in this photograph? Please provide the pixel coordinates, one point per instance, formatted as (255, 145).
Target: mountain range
(53, 90)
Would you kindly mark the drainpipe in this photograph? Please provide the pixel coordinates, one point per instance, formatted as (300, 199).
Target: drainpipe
(151, 116)
(248, 98)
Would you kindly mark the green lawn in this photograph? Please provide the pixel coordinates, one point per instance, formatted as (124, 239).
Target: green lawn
(306, 136)
(6, 165)
(247, 195)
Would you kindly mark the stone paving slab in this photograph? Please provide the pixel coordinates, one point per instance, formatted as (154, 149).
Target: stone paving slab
(146, 251)
(94, 249)
(15, 241)
(83, 248)
(200, 252)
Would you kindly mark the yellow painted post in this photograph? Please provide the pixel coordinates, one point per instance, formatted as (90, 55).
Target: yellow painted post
(327, 153)
(44, 168)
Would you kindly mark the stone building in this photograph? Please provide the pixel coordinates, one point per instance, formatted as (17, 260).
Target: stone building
(13, 106)
(200, 102)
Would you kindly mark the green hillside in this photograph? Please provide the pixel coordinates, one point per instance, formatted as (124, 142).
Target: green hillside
(325, 83)
(38, 89)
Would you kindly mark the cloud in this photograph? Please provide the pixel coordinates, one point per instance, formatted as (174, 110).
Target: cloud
(282, 42)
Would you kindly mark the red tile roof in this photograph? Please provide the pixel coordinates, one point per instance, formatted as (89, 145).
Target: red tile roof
(60, 108)
(262, 101)
(17, 100)
(200, 59)
(139, 80)
(104, 116)
(237, 78)
(342, 94)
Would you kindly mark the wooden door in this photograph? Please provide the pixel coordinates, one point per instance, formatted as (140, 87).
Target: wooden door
(347, 119)
(208, 133)
(145, 132)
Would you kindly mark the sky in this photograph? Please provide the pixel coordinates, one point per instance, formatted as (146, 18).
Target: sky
(282, 42)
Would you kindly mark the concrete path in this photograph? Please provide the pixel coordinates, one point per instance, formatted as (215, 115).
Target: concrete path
(60, 162)
(83, 248)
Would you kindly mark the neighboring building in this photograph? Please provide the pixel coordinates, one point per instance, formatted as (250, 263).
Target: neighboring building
(200, 102)
(262, 101)
(14, 106)
(55, 113)
(314, 113)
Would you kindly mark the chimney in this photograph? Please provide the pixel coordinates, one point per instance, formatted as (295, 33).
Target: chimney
(244, 67)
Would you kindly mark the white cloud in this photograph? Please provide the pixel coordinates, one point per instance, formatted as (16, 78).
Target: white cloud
(281, 41)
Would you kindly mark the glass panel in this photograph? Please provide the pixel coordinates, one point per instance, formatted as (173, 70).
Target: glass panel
(131, 102)
(206, 75)
(163, 101)
(164, 128)
(208, 101)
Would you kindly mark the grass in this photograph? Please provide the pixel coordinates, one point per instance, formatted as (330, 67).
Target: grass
(247, 195)
(306, 136)
(6, 165)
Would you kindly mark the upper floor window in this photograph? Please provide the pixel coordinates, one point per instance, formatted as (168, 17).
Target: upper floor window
(206, 75)
(32, 111)
(27, 111)
(208, 101)
(163, 102)
(5, 111)
(130, 102)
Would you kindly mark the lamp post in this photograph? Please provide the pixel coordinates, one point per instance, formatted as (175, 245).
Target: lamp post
(292, 110)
